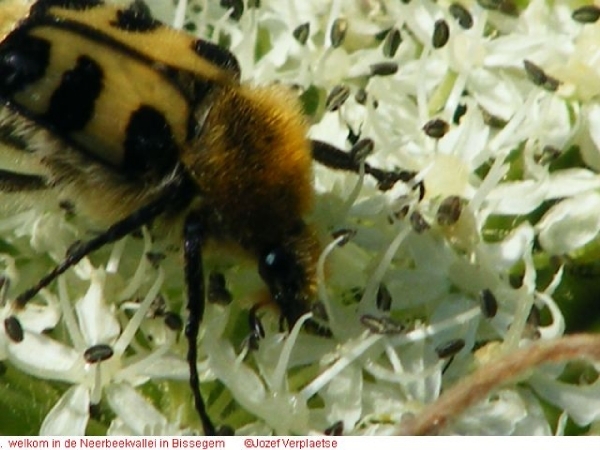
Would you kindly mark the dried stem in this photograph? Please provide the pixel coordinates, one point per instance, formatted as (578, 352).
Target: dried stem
(478, 386)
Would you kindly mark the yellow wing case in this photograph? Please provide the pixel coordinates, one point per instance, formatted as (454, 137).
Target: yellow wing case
(137, 30)
(114, 82)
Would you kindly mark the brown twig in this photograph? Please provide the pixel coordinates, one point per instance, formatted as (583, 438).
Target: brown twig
(478, 386)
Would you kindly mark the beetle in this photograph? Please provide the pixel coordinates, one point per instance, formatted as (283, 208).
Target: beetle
(134, 121)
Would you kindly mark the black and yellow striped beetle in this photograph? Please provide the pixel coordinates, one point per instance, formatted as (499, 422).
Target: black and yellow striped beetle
(135, 121)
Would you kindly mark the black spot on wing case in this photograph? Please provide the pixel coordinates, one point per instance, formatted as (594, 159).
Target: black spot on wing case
(136, 18)
(217, 55)
(148, 138)
(72, 103)
(23, 60)
(83, 69)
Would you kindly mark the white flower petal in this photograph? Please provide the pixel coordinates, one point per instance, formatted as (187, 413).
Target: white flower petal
(570, 224)
(156, 366)
(570, 182)
(136, 413)
(52, 234)
(37, 318)
(422, 384)
(330, 129)
(96, 321)
(509, 51)
(517, 197)
(241, 379)
(468, 141)
(505, 413)
(556, 328)
(505, 254)
(534, 423)
(118, 428)
(550, 119)
(582, 403)
(497, 96)
(254, 429)
(45, 358)
(589, 139)
(282, 410)
(581, 68)
(343, 397)
(69, 416)
(446, 175)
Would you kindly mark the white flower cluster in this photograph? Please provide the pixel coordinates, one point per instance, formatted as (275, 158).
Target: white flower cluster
(492, 110)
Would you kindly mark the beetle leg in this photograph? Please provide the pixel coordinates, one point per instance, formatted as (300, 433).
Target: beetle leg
(193, 238)
(194, 234)
(335, 158)
(115, 232)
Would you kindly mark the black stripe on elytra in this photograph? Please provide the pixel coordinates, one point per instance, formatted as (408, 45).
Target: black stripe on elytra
(136, 18)
(21, 182)
(41, 6)
(10, 137)
(23, 60)
(170, 74)
(149, 143)
(72, 103)
(217, 55)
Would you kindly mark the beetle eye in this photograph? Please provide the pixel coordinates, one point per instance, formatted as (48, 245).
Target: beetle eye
(277, 265)
(284, 275)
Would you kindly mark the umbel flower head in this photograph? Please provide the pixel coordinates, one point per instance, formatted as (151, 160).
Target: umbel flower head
(439, 292)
